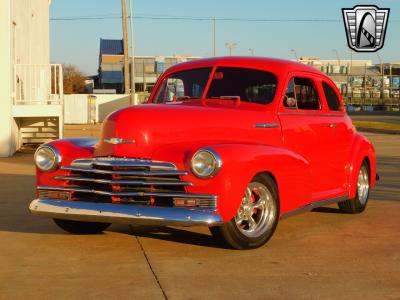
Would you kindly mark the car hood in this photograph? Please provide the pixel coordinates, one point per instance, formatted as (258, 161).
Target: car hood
(138, 131)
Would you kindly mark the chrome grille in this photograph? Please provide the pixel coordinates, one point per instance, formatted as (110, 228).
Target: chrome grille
(124, 180)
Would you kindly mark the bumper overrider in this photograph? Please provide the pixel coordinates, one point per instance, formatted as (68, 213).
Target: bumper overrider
(130, 191)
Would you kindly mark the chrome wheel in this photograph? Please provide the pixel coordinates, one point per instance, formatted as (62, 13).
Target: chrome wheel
(257, 211)
(363, 185)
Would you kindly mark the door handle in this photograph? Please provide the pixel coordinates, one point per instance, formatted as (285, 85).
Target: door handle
(332, 125)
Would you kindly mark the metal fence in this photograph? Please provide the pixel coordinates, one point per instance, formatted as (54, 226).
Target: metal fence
(368, 87)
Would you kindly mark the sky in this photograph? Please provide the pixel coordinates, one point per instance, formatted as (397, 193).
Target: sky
(77, 42)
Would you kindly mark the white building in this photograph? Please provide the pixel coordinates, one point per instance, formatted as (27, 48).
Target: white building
(30, 87)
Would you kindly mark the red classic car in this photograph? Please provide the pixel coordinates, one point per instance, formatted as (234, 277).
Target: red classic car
(232, 143)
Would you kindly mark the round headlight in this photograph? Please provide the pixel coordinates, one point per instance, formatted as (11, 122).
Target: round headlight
(47, 158)
(206, 163)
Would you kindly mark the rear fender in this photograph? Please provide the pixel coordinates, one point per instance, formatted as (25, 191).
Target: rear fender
(362, 149)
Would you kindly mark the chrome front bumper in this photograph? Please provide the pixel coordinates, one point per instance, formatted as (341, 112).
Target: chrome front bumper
(123, 213)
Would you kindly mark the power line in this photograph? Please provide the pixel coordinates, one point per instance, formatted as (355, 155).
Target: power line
(183, 18)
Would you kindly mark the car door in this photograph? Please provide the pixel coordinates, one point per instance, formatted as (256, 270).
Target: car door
(341, 132)
(306, 130)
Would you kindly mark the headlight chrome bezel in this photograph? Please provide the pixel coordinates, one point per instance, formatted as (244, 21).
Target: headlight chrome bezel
(217, 163)
(56, 158)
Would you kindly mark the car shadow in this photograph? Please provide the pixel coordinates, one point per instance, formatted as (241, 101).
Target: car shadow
(328, 210)
(177, 235)
(18, 190)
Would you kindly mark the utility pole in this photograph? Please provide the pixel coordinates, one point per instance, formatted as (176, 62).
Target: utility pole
(133, 87)
(214, 37)
(230, 46)
(125, 42)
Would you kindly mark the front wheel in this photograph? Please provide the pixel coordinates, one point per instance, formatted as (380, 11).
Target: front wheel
(359, 203)
(256, 218)
(78, 227)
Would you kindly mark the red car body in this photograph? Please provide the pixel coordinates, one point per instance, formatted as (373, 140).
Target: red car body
(312, 155)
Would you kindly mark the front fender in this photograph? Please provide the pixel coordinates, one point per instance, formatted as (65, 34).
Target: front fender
(241, 162)
(69, 149)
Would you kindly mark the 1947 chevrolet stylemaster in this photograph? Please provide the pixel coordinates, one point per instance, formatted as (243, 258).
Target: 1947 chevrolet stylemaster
(231, 143)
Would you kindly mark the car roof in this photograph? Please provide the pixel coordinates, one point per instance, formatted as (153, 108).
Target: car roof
(274, 65)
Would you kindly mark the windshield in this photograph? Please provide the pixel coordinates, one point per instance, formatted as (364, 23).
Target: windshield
(183, 85)
(228, 83)
(248, 85)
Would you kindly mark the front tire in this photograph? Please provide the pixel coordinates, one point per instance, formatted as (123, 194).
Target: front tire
(256, 219)
(78, 227)
(359, 202)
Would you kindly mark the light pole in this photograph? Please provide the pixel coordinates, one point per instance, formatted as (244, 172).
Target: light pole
(337, 56)
(295, 54)
(383, 77)
(230, 46)
(133, 88)
(251, 51)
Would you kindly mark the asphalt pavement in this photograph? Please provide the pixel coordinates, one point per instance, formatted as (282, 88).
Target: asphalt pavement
(322, 254)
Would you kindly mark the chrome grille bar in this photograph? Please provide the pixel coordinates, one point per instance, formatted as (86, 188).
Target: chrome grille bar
(128, 194)
(110, 178)
(124, 163)
(125, 182)
(123, 172)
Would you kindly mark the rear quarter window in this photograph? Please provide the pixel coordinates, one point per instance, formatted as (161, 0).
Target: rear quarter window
(331, 97)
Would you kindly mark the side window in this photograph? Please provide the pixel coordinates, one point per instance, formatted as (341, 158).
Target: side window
(331, 97)
(301, 94)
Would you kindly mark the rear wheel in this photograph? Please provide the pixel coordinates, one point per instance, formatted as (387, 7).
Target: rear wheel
(359, 203)
(256, 218)
(78, 227)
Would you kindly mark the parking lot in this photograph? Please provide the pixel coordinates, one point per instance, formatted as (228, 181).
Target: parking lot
(321, 254)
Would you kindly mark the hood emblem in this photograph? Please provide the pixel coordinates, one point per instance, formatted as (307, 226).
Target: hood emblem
(117, 141)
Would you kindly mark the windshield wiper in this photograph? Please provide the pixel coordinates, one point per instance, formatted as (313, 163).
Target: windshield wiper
(180, 98)
(237, 98)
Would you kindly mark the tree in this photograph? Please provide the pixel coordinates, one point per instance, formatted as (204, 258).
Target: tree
(74, 80)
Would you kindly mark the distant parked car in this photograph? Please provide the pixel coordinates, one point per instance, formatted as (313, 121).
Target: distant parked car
(232, 143)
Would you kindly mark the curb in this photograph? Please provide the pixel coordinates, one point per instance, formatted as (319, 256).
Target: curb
(377, 130)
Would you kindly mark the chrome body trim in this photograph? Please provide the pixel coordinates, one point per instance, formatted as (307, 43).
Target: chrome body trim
(117, 141)
(310, 114)
(128, 194)
(266, 125)
(123, 213)
(313, 205)
(124, 182)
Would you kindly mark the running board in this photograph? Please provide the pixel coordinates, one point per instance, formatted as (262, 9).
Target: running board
(313, 205)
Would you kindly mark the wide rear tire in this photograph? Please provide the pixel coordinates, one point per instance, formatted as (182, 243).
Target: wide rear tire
(256, 219)
(78, 227)
(360, 201)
